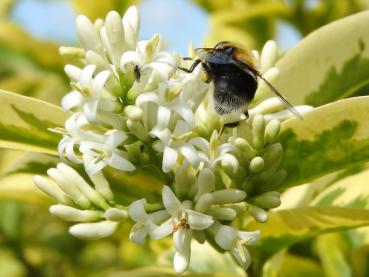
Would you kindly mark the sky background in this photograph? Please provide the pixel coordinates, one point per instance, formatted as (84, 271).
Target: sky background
(178, 21)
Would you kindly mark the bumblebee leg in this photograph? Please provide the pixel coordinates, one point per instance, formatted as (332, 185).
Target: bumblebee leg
(229, 125)
(233, 124)
(209, 74)
(187, 59)
(192, 68)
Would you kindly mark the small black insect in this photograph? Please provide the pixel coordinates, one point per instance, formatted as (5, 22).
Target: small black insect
(137, 73)
(232, 70)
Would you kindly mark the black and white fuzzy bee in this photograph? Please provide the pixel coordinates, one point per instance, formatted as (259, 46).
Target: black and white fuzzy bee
(232, 70)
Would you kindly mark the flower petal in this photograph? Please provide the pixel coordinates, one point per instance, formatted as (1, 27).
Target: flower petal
(147, 97)
(169, 159)
(226, 237)
(242, 256)
(121, 163)
(185, 112)
(129, 57)
(99, 82)
(86, 76)
(249, 238)
(190, 154)
(71, 100)
(90, 110)
(114, 138)
(182, 243)
(199, 221)
(163, 230)
(163, 117)
(137, 211)
(138, 233)
(171, 202)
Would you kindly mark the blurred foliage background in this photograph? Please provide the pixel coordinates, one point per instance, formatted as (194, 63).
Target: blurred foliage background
(32, 243)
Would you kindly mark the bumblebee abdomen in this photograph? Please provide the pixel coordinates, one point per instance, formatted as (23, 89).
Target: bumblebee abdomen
(232, 92)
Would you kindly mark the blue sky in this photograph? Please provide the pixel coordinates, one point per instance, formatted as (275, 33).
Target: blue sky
(178, 21)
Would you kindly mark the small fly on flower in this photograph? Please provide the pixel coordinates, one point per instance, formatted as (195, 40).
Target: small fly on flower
(232, 70)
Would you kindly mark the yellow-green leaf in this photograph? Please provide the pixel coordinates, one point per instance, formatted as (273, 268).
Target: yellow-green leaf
(329, 138)
(24, 123)
(329, 64)
(332, 257)
(351, 191)
(286, 227)
(99, 9)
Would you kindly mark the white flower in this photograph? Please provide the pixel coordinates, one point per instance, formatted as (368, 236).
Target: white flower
(233, 240)
(153, 64)
(146, 223)
(182, 223)
(74, 135)
(97, 155)
(90, 94)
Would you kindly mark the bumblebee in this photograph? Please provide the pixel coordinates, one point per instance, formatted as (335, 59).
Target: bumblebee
(232, 70)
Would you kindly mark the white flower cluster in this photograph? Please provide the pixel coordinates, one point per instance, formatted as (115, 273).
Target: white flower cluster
(131, 105)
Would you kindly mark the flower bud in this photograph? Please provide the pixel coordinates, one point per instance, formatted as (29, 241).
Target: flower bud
(273, 156)
(268, 200)
(69, 188)
(88, 35)
(222, 213)
(227, 196)
(114, 38)
(94, 231)
(258, 126)
(131, 25)
(101, 185)
(272, 131)
(72, 214)
(257, 164)
(73, 55)
(269, 56)
(205, 182)
(70, 175)
(133, 112)
(204, 202)
(258, 213)
(267, 106)
(115, 214)
(52, 190)
(245, 147)
(138, 129)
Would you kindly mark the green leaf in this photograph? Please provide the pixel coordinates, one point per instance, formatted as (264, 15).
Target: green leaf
(286, 227)
(329, 64)
(330, 138)
(24, 123)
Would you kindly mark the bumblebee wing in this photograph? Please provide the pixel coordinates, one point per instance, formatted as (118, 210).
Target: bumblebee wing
(281, 97)
(244, 56)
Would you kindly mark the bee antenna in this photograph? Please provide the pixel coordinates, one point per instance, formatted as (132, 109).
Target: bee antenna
(280, 97)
